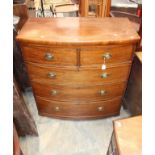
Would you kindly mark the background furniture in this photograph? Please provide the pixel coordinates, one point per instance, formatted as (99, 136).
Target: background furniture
(94, 8)
(19, 69)
(18, 1)
(124, 6)
(65, 10)
(127, 137)
(131, 10)
(44, 7)
(133, 96)
(65, 64)
(20, 10)
(22, 118)
(16, 145)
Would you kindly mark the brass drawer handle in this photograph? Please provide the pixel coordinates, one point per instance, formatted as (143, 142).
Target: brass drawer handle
(107, 56)
(53, 92)
(49, 56)
(51, 75)
(103, 92)
(100, 109)
(57, 108)
(104, 75)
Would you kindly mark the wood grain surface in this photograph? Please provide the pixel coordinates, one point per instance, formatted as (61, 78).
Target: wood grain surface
(78, 110)
(71, 76)
(78, 31)
(61, 56)
(78, 93)
(95, 55)
(128, 134)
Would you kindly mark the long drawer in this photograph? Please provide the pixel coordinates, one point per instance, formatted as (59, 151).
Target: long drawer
(89, 93)
(88, 110)
(108, 55)
(71, 76)
(50, 56)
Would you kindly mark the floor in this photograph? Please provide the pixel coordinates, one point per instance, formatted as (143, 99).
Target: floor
(64, 137)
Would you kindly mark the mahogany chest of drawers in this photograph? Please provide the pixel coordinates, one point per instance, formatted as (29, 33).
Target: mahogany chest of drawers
(78, 67)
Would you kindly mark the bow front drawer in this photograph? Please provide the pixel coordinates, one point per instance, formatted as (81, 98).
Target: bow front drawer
(77, 111)
(50, 56)
(71, 76)
(89, 93)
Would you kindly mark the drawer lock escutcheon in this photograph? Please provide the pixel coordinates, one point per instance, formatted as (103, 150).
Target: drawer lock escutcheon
(49, 56)
(107, 56)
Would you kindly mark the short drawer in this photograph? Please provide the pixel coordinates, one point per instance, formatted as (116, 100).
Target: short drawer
(109, 54)
(50, 56)
(89, 93)
(72, 110)
(85, 76)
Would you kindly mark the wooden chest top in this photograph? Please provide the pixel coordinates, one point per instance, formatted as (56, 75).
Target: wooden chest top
(78, 31)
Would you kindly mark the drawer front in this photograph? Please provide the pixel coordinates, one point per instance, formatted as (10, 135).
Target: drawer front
(87, 76)
(88, 110)
(50, 56)
(113, 54)
(60, 93)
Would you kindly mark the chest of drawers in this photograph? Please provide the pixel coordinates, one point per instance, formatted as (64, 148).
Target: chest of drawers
(64, 58)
